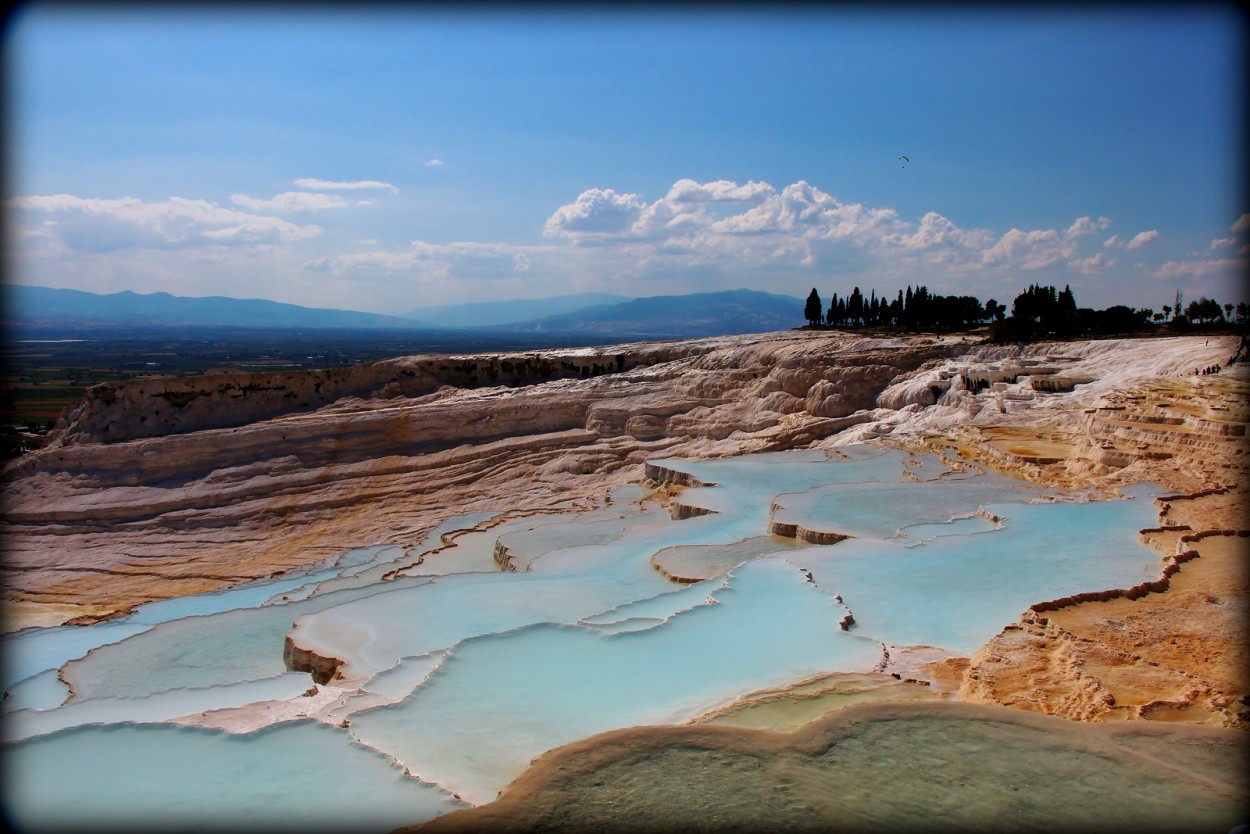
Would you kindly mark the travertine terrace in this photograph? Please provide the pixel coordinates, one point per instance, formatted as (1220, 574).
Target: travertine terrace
(158, 488)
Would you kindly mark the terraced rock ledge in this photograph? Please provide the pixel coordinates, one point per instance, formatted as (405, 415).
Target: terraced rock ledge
(243, 477)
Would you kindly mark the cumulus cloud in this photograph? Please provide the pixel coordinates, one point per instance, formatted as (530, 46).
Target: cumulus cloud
(1046, 248)
(690, 191)
(713, 231)
(106, 225)
(1029, 250)
(804, 210)
(294, 201)
(329, 185)
(715, 216)
(1086, 226)
(755, 224)
(720, 230)
(1242, 224)
(1199, 269)
(1141, 239)
(1096, 263)
(935, 231)
(597, 212)
(1222, 242)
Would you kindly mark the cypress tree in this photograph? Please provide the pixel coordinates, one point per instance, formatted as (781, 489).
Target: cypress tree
(813, 311)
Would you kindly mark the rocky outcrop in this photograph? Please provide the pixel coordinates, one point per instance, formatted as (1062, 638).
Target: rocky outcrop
(1172, 648)
(323, 669)
(794, 530)
(656, 475)
(117, 411)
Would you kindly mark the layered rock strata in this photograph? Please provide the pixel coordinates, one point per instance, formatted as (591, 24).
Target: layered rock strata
(240, 477)
(1171, 649)
(255, 475)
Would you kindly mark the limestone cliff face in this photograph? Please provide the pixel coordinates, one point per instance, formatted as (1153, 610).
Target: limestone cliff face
(150, 489)
(155, 488)
(175, 405)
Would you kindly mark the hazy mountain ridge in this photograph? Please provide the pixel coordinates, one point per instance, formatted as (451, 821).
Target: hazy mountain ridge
(692, 316)
(28, 304)
(491, 313)
(597, 315)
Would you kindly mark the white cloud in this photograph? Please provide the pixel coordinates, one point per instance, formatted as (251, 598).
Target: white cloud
(1029, 250)
(714, 225)
(294, 201)
(1222, 242)
(804, 210)
(1141, 239)
(597, 212)
(726, 226)
(1199, 269)
(435, 163)
(936, 231)
(106, 225)
(690, 191)
(1086, 226)
(441, 259)
(698, 235)
(1096, 263)
(328, 185)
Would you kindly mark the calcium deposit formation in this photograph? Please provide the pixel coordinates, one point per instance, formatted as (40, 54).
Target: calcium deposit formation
(159, 488)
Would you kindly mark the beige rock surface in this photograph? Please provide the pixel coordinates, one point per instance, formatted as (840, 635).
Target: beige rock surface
(259, 474)
(149, 490)
(1175, 651)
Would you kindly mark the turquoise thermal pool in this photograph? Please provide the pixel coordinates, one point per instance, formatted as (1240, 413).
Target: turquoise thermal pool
(454, 673)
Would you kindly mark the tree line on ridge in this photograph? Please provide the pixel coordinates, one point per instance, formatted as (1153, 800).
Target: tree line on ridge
(1038, 312)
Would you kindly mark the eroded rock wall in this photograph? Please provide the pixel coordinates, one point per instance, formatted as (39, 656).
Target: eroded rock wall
(161, 406)
(242, 476)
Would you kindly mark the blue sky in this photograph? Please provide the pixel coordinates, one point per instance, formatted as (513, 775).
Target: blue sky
(384, 158)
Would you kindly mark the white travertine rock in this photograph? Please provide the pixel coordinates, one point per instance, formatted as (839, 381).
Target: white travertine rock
(162, 487)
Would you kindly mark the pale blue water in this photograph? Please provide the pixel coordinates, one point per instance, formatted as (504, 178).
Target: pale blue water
(959, 591)
(486, 669)
(44, 690)
(158, 777)
(878, 511)
(495, 703)
(173, 703)
(32, 651)
(917, 534)
(204, 650)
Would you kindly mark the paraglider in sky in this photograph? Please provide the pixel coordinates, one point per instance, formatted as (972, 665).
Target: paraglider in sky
(905, 159)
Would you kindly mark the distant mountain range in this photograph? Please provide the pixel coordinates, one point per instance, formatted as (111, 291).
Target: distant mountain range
(491, 313)
(690, 316)
(43, 305)
(605, 317)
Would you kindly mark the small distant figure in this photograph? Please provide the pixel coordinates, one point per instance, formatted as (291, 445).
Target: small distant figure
(905, 161)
